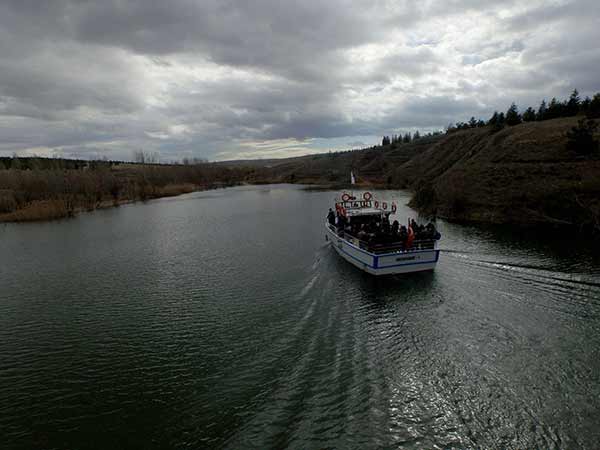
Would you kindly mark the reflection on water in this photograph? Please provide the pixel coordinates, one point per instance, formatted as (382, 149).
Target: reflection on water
(223, 319)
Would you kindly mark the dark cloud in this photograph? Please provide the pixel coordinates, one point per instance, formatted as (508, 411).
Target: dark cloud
(47, 83)
(571, 13)
(185, 77)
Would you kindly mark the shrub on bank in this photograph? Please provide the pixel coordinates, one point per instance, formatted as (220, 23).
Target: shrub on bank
(581, 138)
(37, 194)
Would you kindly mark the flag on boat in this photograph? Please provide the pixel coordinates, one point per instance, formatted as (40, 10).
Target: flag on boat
(352, 179)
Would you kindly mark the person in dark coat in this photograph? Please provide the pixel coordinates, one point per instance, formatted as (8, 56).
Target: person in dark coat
(433, 232)
(385, 227)
(331, 217)
(395, 230)
(403, 236)
(340, 221)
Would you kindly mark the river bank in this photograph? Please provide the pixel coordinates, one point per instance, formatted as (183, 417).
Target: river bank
(52, 209)
(49, 192)
(522, 175)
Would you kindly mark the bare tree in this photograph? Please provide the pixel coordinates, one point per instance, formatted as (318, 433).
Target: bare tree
(139, 156)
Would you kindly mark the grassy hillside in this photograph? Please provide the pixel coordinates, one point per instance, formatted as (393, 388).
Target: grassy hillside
(374, 166)
(523, 174)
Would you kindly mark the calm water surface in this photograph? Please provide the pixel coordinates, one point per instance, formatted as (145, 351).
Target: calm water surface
(222, 319)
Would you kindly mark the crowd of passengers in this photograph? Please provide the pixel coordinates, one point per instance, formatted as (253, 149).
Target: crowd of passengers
(379, 232)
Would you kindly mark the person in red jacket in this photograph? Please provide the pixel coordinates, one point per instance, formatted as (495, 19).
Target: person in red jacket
(410, 238)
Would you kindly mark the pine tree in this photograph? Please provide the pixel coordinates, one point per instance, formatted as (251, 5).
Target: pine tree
(512, 115)
(555, 109)
(529, 115)
(573, 104)
(581, 138)
(594, 109)
(497, 121)
(585, 105)
(472, 122)
(494, 119)
(407, 138)
(416, 136)
(542, 111)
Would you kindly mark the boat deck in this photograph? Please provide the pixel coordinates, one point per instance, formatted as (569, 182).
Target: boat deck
(384, 259)
(383, 248)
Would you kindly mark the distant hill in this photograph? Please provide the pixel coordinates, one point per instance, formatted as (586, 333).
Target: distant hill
(524, 174)
(372, 165)
(272, 162)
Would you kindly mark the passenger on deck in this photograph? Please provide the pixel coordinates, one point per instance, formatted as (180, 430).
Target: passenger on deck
(362, 234)
(385, 227)
(403, 236)
(372, 227)
(331, 217)
(380, 236)
(410, 239)
(341, 221)
(433, 232)
(420, 235)
(395, 230)
(386, 220)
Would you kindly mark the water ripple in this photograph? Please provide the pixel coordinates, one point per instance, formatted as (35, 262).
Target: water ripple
(224, 320)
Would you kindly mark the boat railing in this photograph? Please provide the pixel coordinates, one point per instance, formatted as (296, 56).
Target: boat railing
(421, 244)
(389, 247)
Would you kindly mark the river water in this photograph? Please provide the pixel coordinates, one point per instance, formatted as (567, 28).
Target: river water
(223, 319)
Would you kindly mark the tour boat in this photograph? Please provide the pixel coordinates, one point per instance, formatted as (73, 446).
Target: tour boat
(393, 255)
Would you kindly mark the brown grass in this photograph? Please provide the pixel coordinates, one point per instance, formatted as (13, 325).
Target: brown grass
(38, 210)
(523, 175)
(172, 190)
(51, 193)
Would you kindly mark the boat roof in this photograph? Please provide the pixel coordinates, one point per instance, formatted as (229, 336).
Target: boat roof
(350, 212)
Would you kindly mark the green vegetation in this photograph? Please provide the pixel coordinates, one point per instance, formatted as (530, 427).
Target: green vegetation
(556, 109)
(581, 138)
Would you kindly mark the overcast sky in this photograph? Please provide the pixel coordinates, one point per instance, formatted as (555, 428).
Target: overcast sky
(226, 79)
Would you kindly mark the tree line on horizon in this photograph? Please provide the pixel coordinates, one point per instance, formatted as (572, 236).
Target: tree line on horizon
(61, 163)
(407, 138)
(573, 106)
(555, 109)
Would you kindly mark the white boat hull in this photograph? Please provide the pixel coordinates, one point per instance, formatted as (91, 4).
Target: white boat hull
(383, 264)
